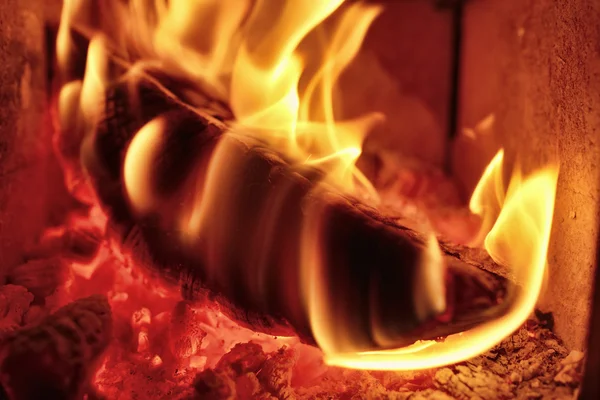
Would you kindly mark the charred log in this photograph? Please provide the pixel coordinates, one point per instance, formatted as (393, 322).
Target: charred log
(54, 360)
(248, 254)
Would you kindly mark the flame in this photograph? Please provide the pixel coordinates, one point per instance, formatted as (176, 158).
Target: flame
(137, 165)
(518, 239)
(201, 32)
(279, 81)
(281, 84)
(265, 82)
(269, 103)
(488, 196)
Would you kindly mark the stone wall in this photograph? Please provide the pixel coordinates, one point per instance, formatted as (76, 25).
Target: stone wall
(403, 70)
(535, 64)
(24, 129)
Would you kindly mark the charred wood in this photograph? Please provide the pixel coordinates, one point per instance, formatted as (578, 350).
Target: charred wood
(54, 360)
(362, 248)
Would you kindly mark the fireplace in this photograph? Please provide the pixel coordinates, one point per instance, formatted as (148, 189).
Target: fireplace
(260, 199)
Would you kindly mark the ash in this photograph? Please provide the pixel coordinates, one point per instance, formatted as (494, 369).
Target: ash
(531, 364)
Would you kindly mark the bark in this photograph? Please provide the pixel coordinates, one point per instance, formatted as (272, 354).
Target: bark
(370, 265)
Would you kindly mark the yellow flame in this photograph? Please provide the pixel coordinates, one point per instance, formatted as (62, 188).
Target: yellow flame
(430, 276)
(270, 103)
(137, 169)
(265, 93)
(275, 62)
(283, 94)
(195, 37)
(519, 239)
(488, 196)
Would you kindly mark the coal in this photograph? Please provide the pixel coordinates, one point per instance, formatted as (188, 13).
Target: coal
(54, 359)
(532, 363)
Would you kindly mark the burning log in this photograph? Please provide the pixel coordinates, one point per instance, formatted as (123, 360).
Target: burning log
(258, 210)
(60, 352)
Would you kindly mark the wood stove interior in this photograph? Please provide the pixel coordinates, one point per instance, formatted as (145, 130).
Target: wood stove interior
(457, 80)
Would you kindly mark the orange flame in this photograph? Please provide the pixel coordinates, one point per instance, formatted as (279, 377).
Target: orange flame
(518, 239)
(281, 87)
(266, 98)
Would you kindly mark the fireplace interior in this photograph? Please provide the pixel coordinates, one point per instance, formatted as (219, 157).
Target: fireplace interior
(262, 199)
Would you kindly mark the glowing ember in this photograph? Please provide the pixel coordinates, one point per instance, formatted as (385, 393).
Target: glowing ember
(154, 330)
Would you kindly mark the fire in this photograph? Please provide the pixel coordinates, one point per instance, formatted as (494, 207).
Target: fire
(519, 239)
(280, 88)
(265, 93)
(488, 196)
(280, 83)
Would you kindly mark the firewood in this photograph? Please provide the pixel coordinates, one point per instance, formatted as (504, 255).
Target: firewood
(55, 359)
(362, 247)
